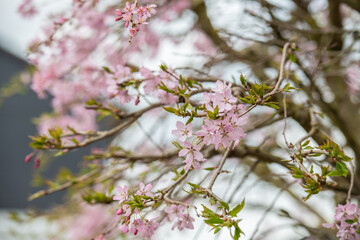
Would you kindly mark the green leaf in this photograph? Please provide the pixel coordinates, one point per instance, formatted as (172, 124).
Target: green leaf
(292, 58)
(237, 232)
(214, 220)
(163, 67)
(242, 80)
(350, 221)
(225, 205)
(106, 69)
(209, 169)
(170, 109)
(245, 100)
(217, 230)
(335, 173)
(190, 120)
(306, 143)
(297, 173)
(181, 81)
(237, 209)
(272, 105)
(212, 201)
(342, 168)
(60, 153)
(195, 186)
(287, 87)
(216, 110)
(177, 145)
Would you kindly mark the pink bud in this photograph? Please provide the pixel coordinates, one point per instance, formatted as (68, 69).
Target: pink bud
(137, 101)
(29, 157)
(119, 212)
(37, 163)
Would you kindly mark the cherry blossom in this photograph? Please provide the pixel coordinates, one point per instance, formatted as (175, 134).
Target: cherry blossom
(136, 226)
(149, 228)
(174, 211)
(128, 15)
(184, 221)
(27, 9)
(123, 194)
(145, 190)
(347, 222)
(182, 131)
(193, 155)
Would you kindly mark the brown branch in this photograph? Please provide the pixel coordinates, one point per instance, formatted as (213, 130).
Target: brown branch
(219, 168)
(64, 186)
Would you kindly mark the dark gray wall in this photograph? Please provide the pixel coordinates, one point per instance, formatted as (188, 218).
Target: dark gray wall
(15, 127)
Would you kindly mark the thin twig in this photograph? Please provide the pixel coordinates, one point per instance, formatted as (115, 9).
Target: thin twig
(282, 64)
(352, 176)
(222, 162)
(64, 186)
(285, 109)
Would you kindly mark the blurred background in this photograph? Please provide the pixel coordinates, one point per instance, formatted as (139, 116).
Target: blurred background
(18, 112)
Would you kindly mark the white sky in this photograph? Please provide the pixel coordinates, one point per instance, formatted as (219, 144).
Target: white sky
(16, 31)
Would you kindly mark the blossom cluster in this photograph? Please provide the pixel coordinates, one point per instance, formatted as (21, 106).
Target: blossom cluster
(130, 209)
(182, 220)
(128, 15)
(347, 222)
(27, 9)
(221, 130)
(227, 127)
(134, 222)
(190, 150)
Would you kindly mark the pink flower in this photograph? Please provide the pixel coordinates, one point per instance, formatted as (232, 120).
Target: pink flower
(225, 100)
(130, 8)
(124, 228)
(347, 222)
(193, 155)
(185, 221)
(123, 194)
(27, 9)
(151, 85)
(167, 98)
(137, 226)
(174, 211)
(348, 210)
(142, 20)
(149, 228)
(222, 86)
(146, 73)
(127, 17)
(145, 190)
(182, 131)
(133, 31)
(207, 132)
(141, 12)
(150, 9)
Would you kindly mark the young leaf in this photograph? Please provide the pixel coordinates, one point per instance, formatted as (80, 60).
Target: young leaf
(237, 209)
